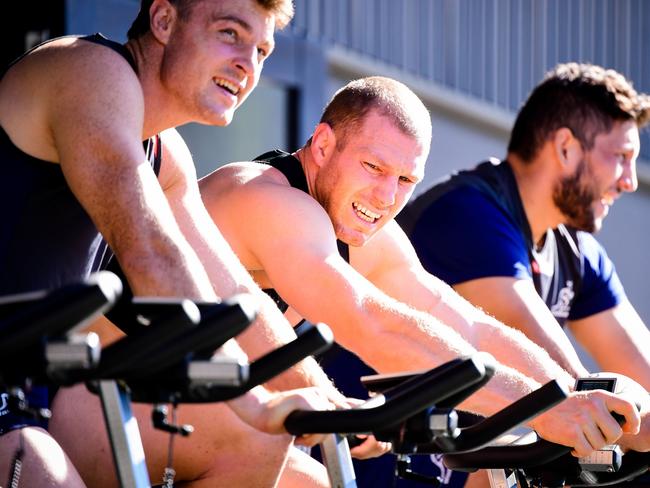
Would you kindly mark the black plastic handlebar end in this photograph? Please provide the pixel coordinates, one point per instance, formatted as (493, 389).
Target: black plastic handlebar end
(487, 362)
(109, 283)
(247, 303)
(325, 332)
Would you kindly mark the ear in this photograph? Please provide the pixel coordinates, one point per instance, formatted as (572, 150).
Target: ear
(568, 150)
(162, 16)
(323, 143)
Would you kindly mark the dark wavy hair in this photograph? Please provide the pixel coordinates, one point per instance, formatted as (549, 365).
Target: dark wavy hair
(585, 98)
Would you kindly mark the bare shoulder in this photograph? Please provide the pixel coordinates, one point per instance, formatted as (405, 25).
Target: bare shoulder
(67, 65)
(66, 83)
(256, 189)
(392, 240)
(243, 177)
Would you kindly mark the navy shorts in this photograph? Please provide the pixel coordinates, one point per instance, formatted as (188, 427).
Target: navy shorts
(12, 419)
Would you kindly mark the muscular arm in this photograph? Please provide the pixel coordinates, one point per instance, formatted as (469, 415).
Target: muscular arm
(284, 232)
(622, 327)
(288, 235)
(401, 275)
(515, 302)
(95, 114)
(226, 273)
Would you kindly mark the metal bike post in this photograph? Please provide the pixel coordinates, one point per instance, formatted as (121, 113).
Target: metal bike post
(337, 460)
(124, 435)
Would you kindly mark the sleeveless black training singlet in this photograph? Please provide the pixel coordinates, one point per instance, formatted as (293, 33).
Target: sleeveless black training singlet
(46, 237)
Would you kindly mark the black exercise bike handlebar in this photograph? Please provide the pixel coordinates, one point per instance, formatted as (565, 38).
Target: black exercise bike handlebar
(488, 429)
(219, 322)
(312, 340)
(397, 404)
(26, 318)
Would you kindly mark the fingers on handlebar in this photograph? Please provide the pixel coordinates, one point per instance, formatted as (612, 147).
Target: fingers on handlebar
(596, 425)
(617, 404)
(283, 403)
(370, 448)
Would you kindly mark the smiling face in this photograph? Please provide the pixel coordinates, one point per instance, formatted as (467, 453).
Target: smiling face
(604, 172)
(214, 56)
(365, 183)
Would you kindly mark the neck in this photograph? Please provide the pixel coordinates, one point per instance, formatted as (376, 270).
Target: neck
(308, 166)
(535, 180)
(160, 112)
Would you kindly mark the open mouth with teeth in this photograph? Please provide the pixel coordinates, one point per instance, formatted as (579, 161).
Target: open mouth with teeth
(364, 214)
(228, 86)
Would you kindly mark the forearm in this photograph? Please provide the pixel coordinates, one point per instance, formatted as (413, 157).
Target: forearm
(304, 374)
(509, 346)
(251, 407)
(512, 348)
(411, 340)
(166, 269)
(506, 386)
(558, 346)
(270, 331)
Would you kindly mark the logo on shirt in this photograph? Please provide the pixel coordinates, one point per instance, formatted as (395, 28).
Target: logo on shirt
(445, 472)
(562, 306)
(4, 404)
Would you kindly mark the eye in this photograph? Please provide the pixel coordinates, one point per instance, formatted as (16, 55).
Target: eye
(407, 180)
(229, 33)
(371, 167)
(621, 158)
(262, 52)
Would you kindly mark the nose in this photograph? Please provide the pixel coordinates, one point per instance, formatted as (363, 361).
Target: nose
(247, 60)
(385, 192)
(628, 181)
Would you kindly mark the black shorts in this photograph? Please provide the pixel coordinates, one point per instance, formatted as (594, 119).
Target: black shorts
(12, 419)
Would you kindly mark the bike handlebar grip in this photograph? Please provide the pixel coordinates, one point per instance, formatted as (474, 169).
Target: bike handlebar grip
(315, 339)
(525, 408)
(490, 368)
(516, 456)
(219, 322)
(228, 319)
(41, 314)
(400, 403)
(135, 351)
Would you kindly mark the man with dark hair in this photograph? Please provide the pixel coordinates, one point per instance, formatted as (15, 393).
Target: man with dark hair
(74, 114)
(514, 237)
(315, 229)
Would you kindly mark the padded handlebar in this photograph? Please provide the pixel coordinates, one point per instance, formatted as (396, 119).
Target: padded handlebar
(26, 318)
(483, 432)
(314, 339)
(399, 403)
